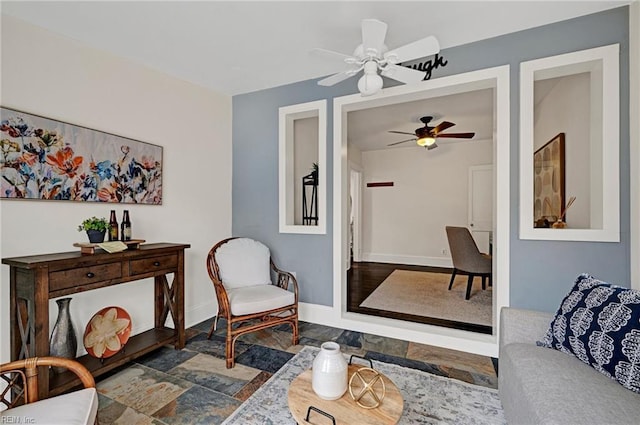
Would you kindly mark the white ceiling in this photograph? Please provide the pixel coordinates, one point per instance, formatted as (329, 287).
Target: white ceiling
(240, 46)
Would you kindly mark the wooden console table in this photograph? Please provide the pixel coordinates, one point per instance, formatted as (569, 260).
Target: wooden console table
(36, 279)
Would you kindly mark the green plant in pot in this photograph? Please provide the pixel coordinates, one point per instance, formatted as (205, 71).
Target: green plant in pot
(95, 228)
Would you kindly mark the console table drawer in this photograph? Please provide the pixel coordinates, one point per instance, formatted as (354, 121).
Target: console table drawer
(84, 275)
(147, 265)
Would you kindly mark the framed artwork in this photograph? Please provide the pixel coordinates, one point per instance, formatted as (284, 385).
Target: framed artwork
(41, 158)
(548, 180)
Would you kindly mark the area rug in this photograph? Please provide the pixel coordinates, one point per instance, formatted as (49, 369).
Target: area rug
(428, 399)
(426, 294)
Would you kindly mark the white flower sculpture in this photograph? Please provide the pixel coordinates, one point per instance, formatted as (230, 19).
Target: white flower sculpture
(104, 332)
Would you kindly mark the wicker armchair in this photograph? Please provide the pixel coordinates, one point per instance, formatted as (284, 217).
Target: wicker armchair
(467, 258)
(20, 395)
(240, 269)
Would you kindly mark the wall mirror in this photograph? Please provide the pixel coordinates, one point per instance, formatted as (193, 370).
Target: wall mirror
(569, 146)
(302, 168)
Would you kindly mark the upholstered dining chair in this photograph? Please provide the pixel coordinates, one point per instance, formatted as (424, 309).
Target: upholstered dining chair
(467, 258)
(20, 395)
(241, 271)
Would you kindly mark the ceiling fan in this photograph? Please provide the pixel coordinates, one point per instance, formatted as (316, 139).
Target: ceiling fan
(373, 55)
(426, 136)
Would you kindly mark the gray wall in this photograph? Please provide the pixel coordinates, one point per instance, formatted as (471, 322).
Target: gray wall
(540, 271)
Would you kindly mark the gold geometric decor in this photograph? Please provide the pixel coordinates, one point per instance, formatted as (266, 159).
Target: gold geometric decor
(367, 388)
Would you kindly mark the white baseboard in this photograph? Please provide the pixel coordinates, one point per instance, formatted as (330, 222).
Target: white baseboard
(199, 313)
(454, 339)
(320, 314)
(414, 260)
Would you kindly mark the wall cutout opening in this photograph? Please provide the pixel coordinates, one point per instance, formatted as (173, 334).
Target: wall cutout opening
(302, 168)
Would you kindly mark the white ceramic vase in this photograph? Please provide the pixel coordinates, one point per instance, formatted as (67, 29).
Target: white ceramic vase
(330, 372)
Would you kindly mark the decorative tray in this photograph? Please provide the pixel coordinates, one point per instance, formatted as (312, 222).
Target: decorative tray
(90, 248)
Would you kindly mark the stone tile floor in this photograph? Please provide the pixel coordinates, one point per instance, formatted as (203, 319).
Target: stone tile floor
(193, 386)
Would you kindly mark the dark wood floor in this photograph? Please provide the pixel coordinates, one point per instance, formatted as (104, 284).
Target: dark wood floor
(363, 278)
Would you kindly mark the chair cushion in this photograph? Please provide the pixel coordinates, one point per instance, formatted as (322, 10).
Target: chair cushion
(599, 323)
(76, 408)
(243, 262)
(254, 299)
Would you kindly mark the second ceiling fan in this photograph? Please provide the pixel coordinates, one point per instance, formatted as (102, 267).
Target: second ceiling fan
(426, 136)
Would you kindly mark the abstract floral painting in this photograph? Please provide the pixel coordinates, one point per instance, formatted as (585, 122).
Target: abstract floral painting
(41, 158)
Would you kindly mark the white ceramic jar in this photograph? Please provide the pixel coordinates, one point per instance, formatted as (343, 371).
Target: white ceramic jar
(330, 372)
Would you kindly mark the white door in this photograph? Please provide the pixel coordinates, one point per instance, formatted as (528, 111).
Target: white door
(480, 214)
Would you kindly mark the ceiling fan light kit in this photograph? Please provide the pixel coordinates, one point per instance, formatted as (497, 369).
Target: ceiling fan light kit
(373, 56)
(370, 83)
(426, 141)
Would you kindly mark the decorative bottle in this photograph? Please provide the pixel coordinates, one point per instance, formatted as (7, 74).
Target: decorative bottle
(330, 372)
(126, 226)
(63, 341)
(113, 226)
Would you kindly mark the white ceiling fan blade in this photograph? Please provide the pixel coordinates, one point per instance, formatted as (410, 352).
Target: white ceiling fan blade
(403, 74)
(335, 78)
(373, 34)
(330, 54)
(418, 49)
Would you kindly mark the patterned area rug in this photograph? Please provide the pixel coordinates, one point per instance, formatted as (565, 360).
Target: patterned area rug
(426, 294)
(428, 399)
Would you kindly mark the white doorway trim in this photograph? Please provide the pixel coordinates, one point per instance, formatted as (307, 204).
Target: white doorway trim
(355, 189)
(497, 78)
(480, 205)
(634, 139)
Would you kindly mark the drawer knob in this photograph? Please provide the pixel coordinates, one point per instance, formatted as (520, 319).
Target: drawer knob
(90, 275)
(156, 263)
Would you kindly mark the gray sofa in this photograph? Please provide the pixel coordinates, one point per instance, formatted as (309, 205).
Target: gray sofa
(540, 385)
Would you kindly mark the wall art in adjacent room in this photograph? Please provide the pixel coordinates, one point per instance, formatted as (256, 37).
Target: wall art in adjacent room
(548, 179)
(41, 158)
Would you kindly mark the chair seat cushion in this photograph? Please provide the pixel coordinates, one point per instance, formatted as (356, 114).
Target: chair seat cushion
(76, 408)
(244, 262)
(254, 299)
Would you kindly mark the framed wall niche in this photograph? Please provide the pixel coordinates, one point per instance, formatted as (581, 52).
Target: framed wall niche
(302, 168)
(576, 94)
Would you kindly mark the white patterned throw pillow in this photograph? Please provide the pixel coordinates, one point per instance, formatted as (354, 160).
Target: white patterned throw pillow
(599, 323)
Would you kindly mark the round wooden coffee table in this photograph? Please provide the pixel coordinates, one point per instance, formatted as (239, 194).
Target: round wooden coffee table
(344, 410)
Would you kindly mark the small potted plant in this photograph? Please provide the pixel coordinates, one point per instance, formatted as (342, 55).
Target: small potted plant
(95, 228)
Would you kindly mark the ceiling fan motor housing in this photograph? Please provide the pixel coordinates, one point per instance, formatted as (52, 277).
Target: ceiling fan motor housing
(423, 132)
(373, 55)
